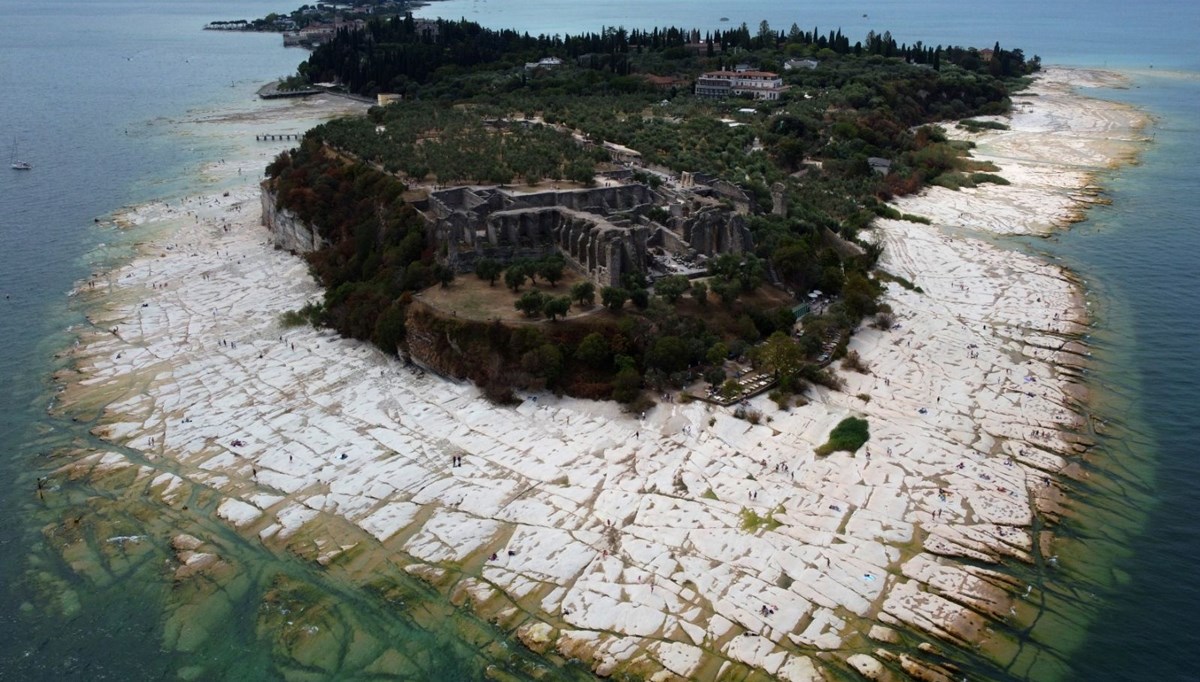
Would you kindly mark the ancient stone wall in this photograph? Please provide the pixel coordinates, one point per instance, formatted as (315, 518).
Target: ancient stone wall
(468, 224)
(603, 232)
(714, 231)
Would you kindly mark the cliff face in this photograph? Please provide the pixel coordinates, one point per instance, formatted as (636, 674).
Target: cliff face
(287, 231)
(463, 349)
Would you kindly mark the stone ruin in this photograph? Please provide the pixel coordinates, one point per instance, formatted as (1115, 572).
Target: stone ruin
(603, 232)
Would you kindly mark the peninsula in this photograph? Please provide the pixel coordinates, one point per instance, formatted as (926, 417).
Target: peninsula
(882, 512)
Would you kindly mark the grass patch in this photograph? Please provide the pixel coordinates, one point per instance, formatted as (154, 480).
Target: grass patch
(916, 219)
(709, 494)
(291, 318)
(751, 521)
(951, 180)
(849, 435)
(889, 277)
(885, 211)
(975, 126)
(309, 314)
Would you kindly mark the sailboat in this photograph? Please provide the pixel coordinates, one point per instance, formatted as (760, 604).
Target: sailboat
(15, 163)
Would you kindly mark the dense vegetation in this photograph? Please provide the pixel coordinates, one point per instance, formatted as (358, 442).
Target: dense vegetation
(378, 253)
(609, 355)
(422, 140)
(400, 55)
(475, 111)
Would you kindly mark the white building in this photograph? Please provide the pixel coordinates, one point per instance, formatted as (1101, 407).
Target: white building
(759, 84)
(793, 64)
(543, 63)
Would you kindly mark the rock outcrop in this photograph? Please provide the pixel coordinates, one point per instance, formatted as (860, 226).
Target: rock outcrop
(288, 232)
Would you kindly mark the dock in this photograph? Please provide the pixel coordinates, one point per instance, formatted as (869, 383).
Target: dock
(272, 91)
(279, 137)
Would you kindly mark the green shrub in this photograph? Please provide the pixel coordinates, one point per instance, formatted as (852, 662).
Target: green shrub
(292, 318)
(310, 314)
(980, 178)
(954, 181)
(885, 211)
(974, 126)
(849, 435)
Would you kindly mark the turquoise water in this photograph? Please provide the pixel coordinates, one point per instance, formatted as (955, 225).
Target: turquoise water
(90, 91)
(94, 92)
(1141, 253)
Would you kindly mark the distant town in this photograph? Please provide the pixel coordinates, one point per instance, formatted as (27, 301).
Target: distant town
(311, 26)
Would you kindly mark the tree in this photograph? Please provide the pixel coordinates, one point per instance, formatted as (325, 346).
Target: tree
(514, 277)
(551, 269)
(715, 376)
(750, 273)
(613, 298)
(725, 266)
(727, 291)
(859, 294)
(671, 288)
(765, 35)
(530, 303)
(716, 354)
(669, 353)
(444, 274)
(584, 293)
(544, 361)
(700, 293)
(781, 355)
(530, 268)
(640, 298)
(555, 307)
(627, 385)
(593, 351)
(489, 269)
(389, 327)
(634, 279)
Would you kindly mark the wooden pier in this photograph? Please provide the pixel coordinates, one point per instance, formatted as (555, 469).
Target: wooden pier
(280, 137)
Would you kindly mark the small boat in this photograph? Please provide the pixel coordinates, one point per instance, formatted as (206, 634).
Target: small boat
(16, 164)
